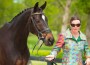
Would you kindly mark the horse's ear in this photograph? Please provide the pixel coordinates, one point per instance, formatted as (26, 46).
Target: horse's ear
(35, 7)
(43, 6)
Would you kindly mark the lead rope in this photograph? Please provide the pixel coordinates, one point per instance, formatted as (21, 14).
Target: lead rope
(53, 61)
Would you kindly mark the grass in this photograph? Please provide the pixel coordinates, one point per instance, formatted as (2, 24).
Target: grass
(40, 63)
(44, 53)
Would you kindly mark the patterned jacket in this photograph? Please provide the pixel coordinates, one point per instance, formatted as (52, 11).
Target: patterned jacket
(73, 49)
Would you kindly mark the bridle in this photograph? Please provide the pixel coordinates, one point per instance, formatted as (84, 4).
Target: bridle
(40, 37)
(47, 30)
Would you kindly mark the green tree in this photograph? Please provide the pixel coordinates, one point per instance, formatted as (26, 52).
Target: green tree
(3, 9)
(9, 9)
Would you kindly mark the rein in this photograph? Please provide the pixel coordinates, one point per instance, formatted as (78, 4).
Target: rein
(53, 61)
(41, 39)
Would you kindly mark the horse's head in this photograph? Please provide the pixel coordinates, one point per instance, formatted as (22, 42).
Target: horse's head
(40, 26)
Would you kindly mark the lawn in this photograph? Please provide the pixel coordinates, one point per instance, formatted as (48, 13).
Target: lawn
(40, 63)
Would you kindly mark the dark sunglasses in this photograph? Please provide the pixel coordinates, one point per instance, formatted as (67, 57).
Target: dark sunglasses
(73, 25)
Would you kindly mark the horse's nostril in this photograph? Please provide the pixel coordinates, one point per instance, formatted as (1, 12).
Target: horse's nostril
(51, 41)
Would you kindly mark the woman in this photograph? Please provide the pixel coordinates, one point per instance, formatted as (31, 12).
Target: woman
(74, 45)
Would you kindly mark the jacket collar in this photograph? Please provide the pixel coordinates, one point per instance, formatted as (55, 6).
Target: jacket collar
(69, 35)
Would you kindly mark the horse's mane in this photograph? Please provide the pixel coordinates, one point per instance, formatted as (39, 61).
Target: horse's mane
(20, 14)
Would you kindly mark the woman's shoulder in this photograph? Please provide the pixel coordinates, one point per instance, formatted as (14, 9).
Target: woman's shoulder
(83, 36)
(67, 34)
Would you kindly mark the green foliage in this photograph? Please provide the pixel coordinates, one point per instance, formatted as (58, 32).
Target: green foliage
(3, 8)
(85, 5)
(8, 10)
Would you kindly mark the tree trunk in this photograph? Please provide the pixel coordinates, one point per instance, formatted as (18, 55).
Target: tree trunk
(65, 16)
(88, 29)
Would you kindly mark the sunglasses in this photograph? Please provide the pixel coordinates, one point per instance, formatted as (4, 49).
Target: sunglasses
(73, 25)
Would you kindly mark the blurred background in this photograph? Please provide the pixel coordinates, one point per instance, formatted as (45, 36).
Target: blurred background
(58, 13)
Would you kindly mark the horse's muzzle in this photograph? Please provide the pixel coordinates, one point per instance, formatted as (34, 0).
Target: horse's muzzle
(49, 39)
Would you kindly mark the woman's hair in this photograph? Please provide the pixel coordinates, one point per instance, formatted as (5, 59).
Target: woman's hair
(74, 18)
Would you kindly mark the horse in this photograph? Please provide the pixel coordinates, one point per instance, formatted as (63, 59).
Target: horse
(14, 34)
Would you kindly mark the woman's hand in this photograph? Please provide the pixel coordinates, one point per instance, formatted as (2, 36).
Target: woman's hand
(87, 61)
(50, 57)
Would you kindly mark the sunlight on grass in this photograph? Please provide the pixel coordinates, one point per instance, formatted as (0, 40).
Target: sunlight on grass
(44, 53)
(41, 63)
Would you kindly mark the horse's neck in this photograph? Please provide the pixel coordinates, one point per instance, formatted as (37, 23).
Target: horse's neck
(20, 22)
(19, 29)
(5, 27)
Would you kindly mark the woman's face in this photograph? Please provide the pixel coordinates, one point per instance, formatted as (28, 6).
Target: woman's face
(75, 25)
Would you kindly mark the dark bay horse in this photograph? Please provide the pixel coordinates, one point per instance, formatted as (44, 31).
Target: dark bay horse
(13, 35)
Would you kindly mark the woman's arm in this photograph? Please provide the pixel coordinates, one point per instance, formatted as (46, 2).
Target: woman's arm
(87, 53)
(56, 49)
(87, 50)
(58, 46)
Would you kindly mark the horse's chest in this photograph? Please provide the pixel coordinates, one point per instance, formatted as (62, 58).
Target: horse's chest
(9, 51)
